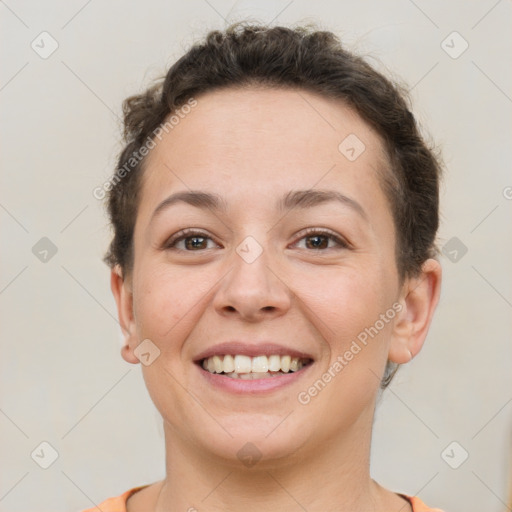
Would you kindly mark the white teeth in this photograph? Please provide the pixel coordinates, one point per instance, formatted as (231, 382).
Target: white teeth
(242, 364)
(259, 364)
(248, 368)
(229, 364)
(274, 363)
(217, 364)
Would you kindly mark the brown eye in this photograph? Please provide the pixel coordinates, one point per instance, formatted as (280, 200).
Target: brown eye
(195, 242)
(317, 242)
(189, 241)
(320, 240)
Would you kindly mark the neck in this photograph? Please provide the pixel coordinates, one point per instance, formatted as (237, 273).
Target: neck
(334, 471)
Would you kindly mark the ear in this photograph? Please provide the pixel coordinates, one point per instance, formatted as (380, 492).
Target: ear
(419, 299)
(122, 291)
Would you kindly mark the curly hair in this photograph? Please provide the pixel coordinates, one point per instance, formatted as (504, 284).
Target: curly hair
(247, 55)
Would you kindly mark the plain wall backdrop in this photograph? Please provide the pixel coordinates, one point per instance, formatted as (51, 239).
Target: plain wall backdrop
(63, 381)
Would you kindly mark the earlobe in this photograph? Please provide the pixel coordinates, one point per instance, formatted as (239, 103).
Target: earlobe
(128, 355)
(123, 296)
(419, 299)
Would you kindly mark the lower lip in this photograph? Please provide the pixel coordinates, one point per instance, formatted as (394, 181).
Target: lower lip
(240, 386)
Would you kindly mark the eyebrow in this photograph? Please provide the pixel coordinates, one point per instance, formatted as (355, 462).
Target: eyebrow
(293, 199)
(203, 200)
(315, 197)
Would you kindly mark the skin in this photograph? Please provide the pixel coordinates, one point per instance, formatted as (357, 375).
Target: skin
(251, 147)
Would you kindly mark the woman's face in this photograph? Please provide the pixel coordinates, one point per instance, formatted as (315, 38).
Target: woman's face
(289, 251)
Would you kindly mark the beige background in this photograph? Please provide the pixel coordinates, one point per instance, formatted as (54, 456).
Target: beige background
(62, 378)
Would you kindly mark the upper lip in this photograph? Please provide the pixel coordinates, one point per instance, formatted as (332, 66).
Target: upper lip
(251, 350)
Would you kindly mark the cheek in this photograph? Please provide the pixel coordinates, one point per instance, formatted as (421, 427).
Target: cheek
(167, 301)
(346, 309)
(343, 301)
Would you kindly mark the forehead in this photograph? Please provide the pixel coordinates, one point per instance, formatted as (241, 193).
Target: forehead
(239, 142)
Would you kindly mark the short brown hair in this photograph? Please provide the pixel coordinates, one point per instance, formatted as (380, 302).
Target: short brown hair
(299, 58)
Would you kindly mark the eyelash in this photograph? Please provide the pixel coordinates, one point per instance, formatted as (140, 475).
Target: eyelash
(170, 244)
(330, 235)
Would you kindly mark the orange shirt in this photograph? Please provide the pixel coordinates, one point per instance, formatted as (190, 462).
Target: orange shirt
(118, 504)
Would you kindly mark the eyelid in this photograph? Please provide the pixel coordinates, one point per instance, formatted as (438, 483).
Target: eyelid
(332, 235)
(186, 233)
(191, 232)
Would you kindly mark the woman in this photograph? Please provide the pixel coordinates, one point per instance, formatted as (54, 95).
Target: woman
(273, 262)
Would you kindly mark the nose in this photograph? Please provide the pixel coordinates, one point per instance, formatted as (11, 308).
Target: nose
(252, 291)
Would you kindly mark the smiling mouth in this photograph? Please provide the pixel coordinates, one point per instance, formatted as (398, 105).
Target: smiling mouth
(251, 368)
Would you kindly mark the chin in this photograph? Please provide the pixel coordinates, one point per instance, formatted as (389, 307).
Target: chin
(255, 439)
